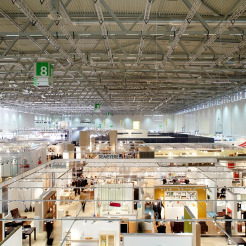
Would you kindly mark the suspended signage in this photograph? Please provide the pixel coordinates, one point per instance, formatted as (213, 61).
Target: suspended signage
(108, 114)
(108, 156)
(100, 126)
(97, 107)
(43, 74)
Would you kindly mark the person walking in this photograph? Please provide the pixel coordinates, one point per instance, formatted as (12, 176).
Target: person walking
(49, 227)
(83, 198)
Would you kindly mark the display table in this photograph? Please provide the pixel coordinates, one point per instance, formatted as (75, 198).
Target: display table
(28, 232)
(90, 193)
(66, 196)
(238, 240)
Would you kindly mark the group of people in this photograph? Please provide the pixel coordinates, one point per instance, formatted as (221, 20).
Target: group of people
(175, 181)
(79, 184)
(53, 157)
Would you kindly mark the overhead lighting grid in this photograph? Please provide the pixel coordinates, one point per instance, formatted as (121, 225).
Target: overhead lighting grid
(182, 29)
(144, 29)
(21, 5)
(103, 30)
(231, 20)
(59, 23)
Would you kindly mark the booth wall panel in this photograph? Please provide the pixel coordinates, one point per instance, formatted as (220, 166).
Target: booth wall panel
(229, 118)
(201, 195)
(14, 239)
(147, 240)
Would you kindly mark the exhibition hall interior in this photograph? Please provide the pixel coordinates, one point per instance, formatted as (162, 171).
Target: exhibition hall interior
(122, 122)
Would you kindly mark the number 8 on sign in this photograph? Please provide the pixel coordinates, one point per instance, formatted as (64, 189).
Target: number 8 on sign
(44, 71)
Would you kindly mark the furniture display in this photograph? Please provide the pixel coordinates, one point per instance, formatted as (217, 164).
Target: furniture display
(238, 240)
(107, 239)
(66, 195)
(28, 232)
(161, 229)
(25, 232)
(204, 227)
(177, 227)
(16, 214)
(175, 206)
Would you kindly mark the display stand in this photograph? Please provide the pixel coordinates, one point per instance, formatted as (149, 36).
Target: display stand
(107, 239)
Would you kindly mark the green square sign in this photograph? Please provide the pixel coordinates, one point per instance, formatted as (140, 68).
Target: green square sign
(43, 69)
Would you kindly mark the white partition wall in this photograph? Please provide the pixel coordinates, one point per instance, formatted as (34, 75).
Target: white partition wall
(184, 239)
(228, 118)
(15, 238)
(28, 190)
(117, 193)
(85, 227)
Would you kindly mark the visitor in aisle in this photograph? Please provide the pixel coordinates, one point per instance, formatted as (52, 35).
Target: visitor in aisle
(161, 228)
(83, 198)
(157, 207)
(49, 227)
(187, 181)
(79, 185)
(228, 224)
(67, 214)
(75, 184)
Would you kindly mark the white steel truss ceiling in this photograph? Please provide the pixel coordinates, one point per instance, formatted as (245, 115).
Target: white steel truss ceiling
(131, 56)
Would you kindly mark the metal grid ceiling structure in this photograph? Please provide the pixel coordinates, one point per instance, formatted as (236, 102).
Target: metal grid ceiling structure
(131, 56)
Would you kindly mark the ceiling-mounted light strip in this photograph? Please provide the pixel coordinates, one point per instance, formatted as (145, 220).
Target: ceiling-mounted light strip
(63, 28)
(103, 30)
(30, 15)
(219, 31)
(182, 29)
(144, 28)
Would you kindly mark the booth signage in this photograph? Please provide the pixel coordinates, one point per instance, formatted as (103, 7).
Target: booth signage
(43, 74)
(108, 156)
(97, 107)
(44, 69)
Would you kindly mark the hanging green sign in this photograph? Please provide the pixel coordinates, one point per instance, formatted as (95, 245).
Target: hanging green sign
(97, 107)
(43, 74)
(43, 69)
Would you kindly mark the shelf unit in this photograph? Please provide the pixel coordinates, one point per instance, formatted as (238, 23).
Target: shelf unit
(107, 239)
(178, 196)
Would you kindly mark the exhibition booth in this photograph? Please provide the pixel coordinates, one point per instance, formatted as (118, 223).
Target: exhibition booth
(124, 197)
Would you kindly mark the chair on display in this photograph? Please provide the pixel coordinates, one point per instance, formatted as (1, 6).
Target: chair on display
(204, 227)
(16, 214)
(177, 227)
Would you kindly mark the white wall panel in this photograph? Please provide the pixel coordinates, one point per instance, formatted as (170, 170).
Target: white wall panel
(230, 119)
